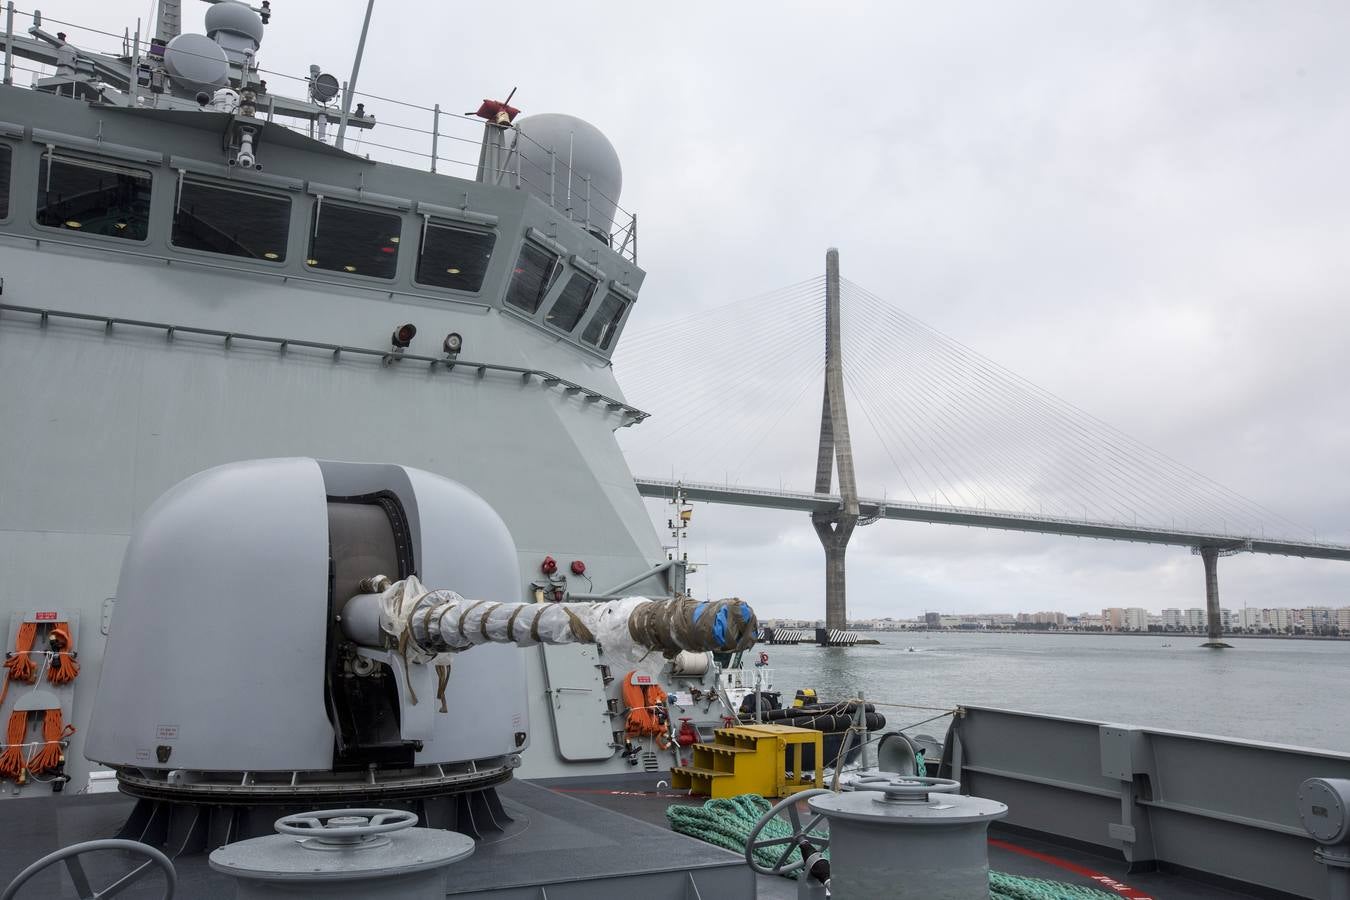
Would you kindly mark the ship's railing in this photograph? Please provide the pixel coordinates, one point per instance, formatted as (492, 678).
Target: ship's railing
(410, 134)
(630, 414)
(1219, 805)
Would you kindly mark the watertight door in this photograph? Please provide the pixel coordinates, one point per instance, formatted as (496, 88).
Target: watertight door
(582, 726)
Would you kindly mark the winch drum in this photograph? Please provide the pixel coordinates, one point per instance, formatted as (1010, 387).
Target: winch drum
(910, 837)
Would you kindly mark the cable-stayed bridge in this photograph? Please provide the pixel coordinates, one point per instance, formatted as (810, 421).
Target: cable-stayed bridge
(953, 437)
(872, 510)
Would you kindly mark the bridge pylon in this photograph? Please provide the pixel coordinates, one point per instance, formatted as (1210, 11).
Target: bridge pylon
(834, 527)
(1209, 555)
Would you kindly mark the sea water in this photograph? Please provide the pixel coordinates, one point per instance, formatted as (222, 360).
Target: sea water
(1285, 691)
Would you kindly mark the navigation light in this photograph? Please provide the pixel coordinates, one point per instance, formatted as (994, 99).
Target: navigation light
(403, 335)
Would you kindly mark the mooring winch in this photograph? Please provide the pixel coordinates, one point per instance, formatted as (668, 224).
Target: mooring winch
(344, 853)
(891, 836)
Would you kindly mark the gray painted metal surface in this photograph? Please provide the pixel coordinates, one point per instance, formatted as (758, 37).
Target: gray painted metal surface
(119, 414)
(191, 619)
(346, 854)
(237, 559)
(872, 508)
(1159, 798)
(927, 845)
(1324, 809)
(583, 721)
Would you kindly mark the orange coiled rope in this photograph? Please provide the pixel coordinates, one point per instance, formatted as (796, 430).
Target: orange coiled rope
(64, 668)
(11, 760)
(20, 665)
(50, 756)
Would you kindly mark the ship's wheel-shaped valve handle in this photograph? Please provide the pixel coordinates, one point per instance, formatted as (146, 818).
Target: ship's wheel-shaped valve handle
(790, 859)
(345, 826)
(154, 859)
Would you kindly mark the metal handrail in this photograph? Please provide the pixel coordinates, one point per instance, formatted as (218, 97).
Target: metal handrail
(632, 414)
(622, 230)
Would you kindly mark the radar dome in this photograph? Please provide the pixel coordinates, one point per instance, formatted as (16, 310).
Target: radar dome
(196, 63)
(590, 153)
(233, 20)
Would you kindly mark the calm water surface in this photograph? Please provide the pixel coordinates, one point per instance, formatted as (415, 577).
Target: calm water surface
(1287, 691)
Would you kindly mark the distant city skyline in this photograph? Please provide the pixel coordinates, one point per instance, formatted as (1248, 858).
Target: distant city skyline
(1318, 620)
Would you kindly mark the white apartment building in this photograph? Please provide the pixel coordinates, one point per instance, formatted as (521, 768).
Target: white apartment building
(1136, 619)
(1252, 619)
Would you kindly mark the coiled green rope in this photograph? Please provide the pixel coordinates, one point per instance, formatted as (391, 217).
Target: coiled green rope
(726, 822)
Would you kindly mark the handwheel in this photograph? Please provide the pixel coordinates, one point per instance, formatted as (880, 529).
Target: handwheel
(345, 826)
(907, 787)
(800, 833)
(71, 857)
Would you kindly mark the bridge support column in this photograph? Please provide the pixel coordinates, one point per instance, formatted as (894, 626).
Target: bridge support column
(1214, 619)
(835, 450)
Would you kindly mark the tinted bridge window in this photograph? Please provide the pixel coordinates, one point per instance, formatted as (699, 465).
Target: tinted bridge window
(357, 241)
(6, 157)
(572, 302)
(603, 326)
(224, 220)
(536, 270)
(93, 197)
(454, 257)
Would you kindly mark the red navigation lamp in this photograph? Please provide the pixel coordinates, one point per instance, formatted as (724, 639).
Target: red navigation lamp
(549, 565)
(403, 335)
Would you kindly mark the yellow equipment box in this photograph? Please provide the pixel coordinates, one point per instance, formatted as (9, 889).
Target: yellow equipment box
(752, 759)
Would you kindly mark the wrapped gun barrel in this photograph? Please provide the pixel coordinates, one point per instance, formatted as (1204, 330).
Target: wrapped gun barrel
(426, 625)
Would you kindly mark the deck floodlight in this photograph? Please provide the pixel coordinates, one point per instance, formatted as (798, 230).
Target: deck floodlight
(403, 335)
(323, 88)
(453, 343)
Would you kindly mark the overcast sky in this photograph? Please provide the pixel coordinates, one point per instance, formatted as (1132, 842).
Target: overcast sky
(1143, 207)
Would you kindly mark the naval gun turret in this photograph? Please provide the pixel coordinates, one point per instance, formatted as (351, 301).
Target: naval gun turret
(275, 647)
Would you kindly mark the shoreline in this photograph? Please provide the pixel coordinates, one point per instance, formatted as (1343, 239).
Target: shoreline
(1166, 635)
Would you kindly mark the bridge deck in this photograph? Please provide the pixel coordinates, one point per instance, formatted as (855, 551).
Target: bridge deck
(985, 518)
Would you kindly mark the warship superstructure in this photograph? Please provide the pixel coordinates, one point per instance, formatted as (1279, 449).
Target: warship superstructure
(193, 276)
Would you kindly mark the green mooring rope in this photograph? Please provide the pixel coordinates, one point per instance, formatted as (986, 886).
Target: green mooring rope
(726, 822)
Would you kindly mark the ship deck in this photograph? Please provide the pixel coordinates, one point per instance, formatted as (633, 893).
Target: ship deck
(594, 838)
(1012, 852)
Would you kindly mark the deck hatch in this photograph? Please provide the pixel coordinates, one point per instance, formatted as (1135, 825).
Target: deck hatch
(93, 197)
(231, 221)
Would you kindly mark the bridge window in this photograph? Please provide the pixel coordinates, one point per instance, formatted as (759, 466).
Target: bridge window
(93, 197)
(454, 258)
(536, 271)
(6, 156)
(572, 303)
(353, 240)
(220, 219)
(605, 323)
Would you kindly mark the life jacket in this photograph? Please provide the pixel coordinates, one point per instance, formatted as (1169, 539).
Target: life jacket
(646, 705)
